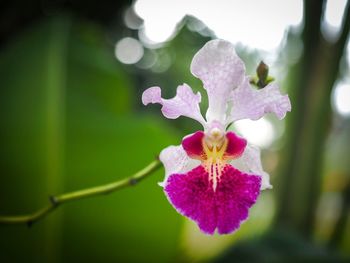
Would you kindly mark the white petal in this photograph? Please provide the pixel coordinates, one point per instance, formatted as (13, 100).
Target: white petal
(185, 103)
(250, 162)
(175, 160)
(251, 103)
(221, 71)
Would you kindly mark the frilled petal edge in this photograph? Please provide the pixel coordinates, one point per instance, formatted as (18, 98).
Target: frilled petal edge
(250, 103)
(223, 209)
(185, 103)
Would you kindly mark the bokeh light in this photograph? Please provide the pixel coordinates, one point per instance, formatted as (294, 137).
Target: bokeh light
(128, 50)
(131, 19)
(341, 99)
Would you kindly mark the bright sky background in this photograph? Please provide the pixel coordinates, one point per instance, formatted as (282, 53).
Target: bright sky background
(257, 23)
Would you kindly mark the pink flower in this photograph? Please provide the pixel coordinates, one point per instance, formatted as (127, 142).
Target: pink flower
(201, 180)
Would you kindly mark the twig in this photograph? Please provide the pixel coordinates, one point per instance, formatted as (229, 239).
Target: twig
(56, 201)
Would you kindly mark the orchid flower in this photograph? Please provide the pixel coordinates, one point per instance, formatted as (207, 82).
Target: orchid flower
(202, 179)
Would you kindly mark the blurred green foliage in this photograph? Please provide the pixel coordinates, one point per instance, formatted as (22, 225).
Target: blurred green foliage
(67, 123)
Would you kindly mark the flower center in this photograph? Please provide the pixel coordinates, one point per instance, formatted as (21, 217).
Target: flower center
(214, 148)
